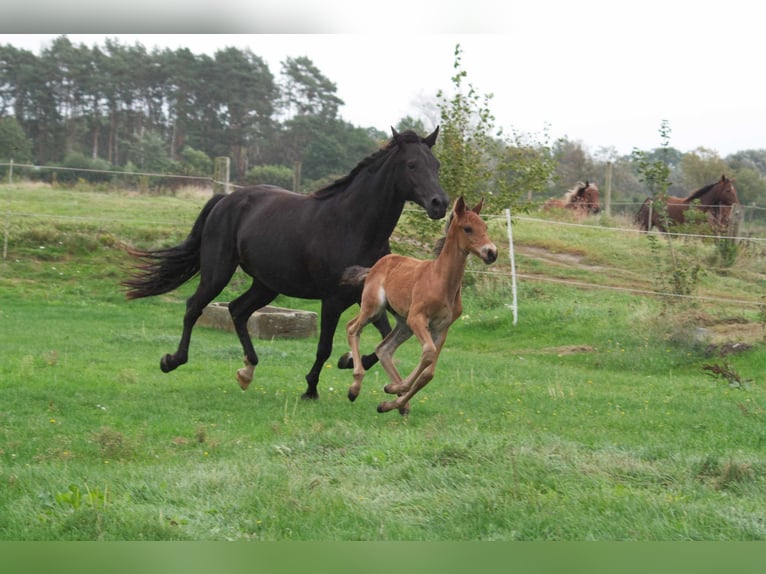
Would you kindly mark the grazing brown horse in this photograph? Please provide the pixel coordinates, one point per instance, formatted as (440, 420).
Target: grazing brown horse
(425, 298)
(715, 200)
(582, 198)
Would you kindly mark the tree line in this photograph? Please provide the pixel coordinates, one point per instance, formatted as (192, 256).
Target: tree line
(172, 111)
(156, 110)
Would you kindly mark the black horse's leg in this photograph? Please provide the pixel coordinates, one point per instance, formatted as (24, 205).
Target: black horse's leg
(212, 282)
(240, 310)
(383, 325)
(331, 312)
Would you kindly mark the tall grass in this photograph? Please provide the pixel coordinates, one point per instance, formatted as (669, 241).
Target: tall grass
(583, 422)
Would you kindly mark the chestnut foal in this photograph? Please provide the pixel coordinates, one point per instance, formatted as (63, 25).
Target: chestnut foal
(424, 296)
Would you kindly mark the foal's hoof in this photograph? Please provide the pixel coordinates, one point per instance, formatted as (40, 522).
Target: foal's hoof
(346, 361)
(391, 389)
(352, 396)
(307, 396)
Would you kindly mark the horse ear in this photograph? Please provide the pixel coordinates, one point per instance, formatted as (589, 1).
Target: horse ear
(459, 208)
(477, 208)
(430, 140)
(394, 133)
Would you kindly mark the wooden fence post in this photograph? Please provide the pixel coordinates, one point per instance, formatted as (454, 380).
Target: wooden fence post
(221, 175)
(608, 189)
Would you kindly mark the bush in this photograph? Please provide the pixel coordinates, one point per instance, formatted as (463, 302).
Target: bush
(270, 174)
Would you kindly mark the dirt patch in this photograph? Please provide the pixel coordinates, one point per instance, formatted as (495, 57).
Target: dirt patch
(557, 258)
(730, 338)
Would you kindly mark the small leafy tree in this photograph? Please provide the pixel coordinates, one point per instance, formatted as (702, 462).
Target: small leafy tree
(477, 159)
(680, 276)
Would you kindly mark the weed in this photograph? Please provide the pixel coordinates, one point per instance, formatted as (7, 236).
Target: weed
(726, 372)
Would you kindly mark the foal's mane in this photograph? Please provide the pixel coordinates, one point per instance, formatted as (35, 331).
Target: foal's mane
(439, 245)
(370, 161)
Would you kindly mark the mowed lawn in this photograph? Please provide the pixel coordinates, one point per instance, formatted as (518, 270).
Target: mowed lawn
(598, 416)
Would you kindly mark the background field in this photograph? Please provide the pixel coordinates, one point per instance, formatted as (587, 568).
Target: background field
(593, 418)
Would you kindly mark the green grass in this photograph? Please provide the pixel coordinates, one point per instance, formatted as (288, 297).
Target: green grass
(516, 438)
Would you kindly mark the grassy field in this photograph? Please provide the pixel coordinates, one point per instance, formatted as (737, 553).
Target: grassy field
(599, 416)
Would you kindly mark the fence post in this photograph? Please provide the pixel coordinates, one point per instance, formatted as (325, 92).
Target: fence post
(514, 304)
(221, 175)
(7, 212)
(608, 190)
(297, 165)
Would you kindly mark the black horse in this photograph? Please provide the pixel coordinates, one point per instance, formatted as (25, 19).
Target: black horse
(294, 244)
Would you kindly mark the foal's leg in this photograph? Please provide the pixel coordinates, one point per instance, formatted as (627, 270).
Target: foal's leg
(240, 310)
(385, 351)
(346, 361)
(213, 278)
(423, 373)
(353, 334)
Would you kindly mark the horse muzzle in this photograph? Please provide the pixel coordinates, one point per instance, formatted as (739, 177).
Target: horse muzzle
(437, 207)
(489, 254)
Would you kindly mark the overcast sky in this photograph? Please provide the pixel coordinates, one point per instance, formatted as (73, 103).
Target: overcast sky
(601, 72)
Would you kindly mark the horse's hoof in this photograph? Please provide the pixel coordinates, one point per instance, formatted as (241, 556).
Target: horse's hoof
(165, 364)
(244, 383)
(380, 408)
(307, 396)
(346, 361)
(352, 396)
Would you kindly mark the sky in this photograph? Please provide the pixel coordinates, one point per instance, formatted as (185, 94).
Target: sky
(603, 73)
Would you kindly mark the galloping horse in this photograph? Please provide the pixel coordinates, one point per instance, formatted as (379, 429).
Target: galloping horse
(295, 244)
(425, 298)
(582, 198)
(715, 200)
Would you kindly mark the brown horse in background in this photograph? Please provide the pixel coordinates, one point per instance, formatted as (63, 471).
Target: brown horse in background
(715, 200)
(425, 298)
(582, 199)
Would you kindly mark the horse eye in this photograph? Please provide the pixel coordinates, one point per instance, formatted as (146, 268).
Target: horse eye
(468, 230)
(411, 164)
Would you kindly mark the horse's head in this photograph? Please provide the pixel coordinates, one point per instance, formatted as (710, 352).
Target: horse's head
(583, 198)
(724, 193)
(723, 197)
(417, 174)
(589, 197)
(471, 231)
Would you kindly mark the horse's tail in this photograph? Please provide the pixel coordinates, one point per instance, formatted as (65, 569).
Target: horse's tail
(642, 216)
(162, 270)
(354, 275)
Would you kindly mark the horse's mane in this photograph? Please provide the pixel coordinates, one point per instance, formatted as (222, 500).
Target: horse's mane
(700, 192)
(340, 184)
(579, 186)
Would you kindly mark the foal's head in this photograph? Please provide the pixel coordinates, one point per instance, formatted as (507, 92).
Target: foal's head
(470, 231)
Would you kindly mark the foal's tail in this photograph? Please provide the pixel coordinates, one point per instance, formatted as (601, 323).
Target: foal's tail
(354, 275)
(162, 270)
